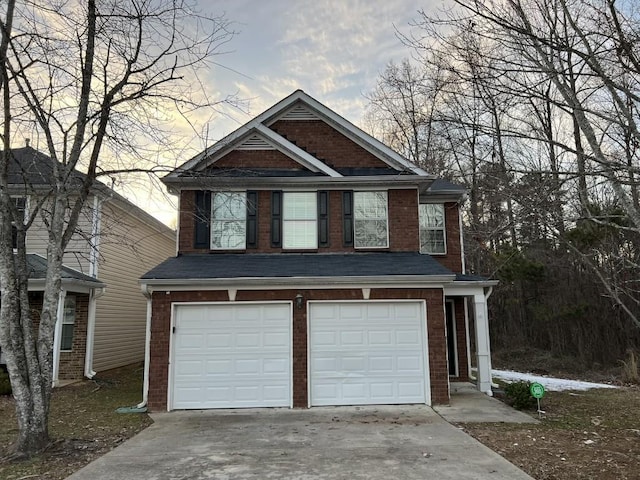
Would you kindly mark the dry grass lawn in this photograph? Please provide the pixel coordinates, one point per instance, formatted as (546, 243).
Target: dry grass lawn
(83, 425)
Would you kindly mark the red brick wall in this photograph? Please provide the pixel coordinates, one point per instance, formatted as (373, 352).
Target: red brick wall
(327, 144)
(186, 221)
(461, 339)
(453, 259)
(257, 159)
(404, 233)
(71, 365)
(72, 362)
(161, 331)
(403, 223)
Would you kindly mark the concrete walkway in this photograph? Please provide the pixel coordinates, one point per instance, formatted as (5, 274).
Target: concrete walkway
(468, 405)
(373, 442)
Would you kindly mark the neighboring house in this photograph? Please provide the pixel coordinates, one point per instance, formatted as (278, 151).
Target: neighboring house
(315, 266)
(102, 314)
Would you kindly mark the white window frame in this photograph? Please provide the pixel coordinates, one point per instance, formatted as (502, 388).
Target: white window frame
(424, 228)
(357, 194)
(220, 218)
(68, 320)
(289, 222)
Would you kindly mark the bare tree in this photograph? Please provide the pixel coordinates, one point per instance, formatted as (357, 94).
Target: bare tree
(96, 81)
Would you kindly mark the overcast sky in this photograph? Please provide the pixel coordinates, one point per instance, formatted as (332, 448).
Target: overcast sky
(331, 49)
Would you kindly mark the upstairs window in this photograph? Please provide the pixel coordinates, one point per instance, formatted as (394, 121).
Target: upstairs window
(371, 223)
(68, 323)
(299, 220)
(228, 221)
(432, 229)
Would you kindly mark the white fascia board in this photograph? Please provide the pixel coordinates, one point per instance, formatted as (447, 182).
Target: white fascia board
(280, 283)
(302, 157)
(359, 136)
(468, 288)
(378, 182)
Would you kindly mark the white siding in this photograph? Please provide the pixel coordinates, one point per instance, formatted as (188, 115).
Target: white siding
(128, 248)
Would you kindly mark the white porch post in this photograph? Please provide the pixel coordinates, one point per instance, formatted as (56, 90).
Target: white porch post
(57, 337)
(483, 347)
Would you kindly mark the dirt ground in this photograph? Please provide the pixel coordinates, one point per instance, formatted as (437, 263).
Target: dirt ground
(583, 435)
(83, 425)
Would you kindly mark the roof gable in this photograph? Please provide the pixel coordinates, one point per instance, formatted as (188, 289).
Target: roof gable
(258, 134)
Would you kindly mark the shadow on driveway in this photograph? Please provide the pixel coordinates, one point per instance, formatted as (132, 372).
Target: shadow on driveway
(372, 442)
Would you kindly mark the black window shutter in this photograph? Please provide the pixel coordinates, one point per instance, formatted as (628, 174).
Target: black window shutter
(347, 218)
(276, 219)
(252, 219)
(323, 219)
(202, 220)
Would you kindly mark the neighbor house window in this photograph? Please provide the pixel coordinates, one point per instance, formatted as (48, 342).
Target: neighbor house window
(432, 228)
(371, 224)
(68, 323)
(299, 220)
(228, 221)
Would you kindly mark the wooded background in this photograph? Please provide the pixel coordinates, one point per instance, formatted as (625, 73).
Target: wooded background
(533, 107)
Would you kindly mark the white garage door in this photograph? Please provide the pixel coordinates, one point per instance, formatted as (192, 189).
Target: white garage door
(367, 353)
(231, 356)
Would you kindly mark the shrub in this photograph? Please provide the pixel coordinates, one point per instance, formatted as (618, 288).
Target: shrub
(519, 395)
(5, 384)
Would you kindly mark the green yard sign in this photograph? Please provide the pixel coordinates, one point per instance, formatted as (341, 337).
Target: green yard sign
(537, 390)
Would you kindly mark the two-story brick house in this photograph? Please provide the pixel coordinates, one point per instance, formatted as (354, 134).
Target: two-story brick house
(315, 266)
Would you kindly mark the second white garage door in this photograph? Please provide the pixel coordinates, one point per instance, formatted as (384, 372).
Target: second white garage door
(367, 353)
(231, 356)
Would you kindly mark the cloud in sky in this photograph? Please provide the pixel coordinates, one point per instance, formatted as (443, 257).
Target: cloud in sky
(331, 49)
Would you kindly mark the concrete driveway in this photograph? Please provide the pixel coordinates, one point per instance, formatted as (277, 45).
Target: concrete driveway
(374, 442)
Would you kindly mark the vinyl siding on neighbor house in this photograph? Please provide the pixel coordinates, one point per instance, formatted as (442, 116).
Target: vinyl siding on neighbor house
(78, 252)
(128, 248)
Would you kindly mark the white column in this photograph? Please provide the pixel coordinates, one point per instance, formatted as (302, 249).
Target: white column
(467, 336)
(483, 347)
(57, 336)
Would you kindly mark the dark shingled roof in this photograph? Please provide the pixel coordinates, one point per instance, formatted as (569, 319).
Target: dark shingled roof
(29, 166)
(37, 265)
(255, 265)
(440, 185)
(470, 278)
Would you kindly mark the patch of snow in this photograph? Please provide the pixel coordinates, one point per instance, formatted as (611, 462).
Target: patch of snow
(551, 384)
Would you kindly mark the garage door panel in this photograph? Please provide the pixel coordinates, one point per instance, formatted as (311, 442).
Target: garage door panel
(380, 356)
(218, 340)
(240, 362)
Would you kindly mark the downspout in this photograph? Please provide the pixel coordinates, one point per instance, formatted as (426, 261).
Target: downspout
(57, 335)
(94, 295)
(147, 349)
(94, 241)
